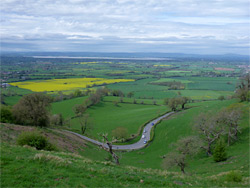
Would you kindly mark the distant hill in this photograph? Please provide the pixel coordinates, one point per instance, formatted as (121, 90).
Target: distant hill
(166, 56)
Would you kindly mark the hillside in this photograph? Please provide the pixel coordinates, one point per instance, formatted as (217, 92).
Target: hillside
(27, 167)
(80, 164)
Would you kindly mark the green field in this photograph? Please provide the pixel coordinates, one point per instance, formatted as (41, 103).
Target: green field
(204, 94)
(172, 80)
(106, 116)
(218, 84)
(66, 107)
(143, 88)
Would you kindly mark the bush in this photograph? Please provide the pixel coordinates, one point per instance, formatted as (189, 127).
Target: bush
(234, 176)
(35, 139)
(6, 114)
(56, 119)
(115, 103)
(219, 153)
(221, 98)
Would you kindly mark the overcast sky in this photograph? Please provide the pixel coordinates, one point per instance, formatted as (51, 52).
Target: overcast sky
(171, 26)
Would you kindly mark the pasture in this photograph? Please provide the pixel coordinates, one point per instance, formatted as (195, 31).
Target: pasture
(106, 116)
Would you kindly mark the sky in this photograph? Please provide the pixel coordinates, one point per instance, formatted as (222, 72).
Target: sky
(167, 26)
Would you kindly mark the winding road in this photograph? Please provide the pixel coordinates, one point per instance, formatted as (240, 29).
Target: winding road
(138, 145)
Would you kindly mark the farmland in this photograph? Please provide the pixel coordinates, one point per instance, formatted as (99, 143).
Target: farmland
(107, 117)
(128, 93)
(65, 84)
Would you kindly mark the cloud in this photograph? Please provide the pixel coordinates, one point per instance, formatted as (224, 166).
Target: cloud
(126, 25)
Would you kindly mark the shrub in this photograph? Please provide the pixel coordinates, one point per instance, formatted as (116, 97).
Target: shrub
(115, 103)
(56, 119)
(221, 98)
(6, 114)
(35, 139)
(234, 176)
(219, 153)
(134, 102)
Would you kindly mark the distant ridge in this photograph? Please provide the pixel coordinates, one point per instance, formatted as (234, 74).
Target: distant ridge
(128, 56)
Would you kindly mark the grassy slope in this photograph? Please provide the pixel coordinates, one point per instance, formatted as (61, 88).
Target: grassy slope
(65, 107)
(180, 125)
(106, 117)
(27, 167)
(20, 168)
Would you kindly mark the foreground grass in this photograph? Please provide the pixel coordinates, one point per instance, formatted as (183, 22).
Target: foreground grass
(27, 167)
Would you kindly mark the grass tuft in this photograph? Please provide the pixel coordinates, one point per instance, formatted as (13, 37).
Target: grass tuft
(45, 158)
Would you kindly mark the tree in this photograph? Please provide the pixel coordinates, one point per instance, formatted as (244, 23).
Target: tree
(120, 133)
(104, 91)
(88, 91)
(79, 109)
(134, 101)
(184, 148)
(242, 91)
(166, 100)
(221, 98)
(56, 119)
(117, 93)
(86, 123)
(115, 103)
(219, 153)
(230, 117)
(33, 109)
(121, 99)
(182, 101)
(108, 146)
(2, 98)
(130, 94)
(209, 130)
(173, 103)
(60, 95)
(175, 159)
(95, 98)
(77, 93)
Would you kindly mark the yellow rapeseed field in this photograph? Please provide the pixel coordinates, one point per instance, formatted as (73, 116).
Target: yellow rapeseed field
(65, 84)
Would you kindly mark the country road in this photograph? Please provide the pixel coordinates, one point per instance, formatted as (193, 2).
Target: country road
(138, 145)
